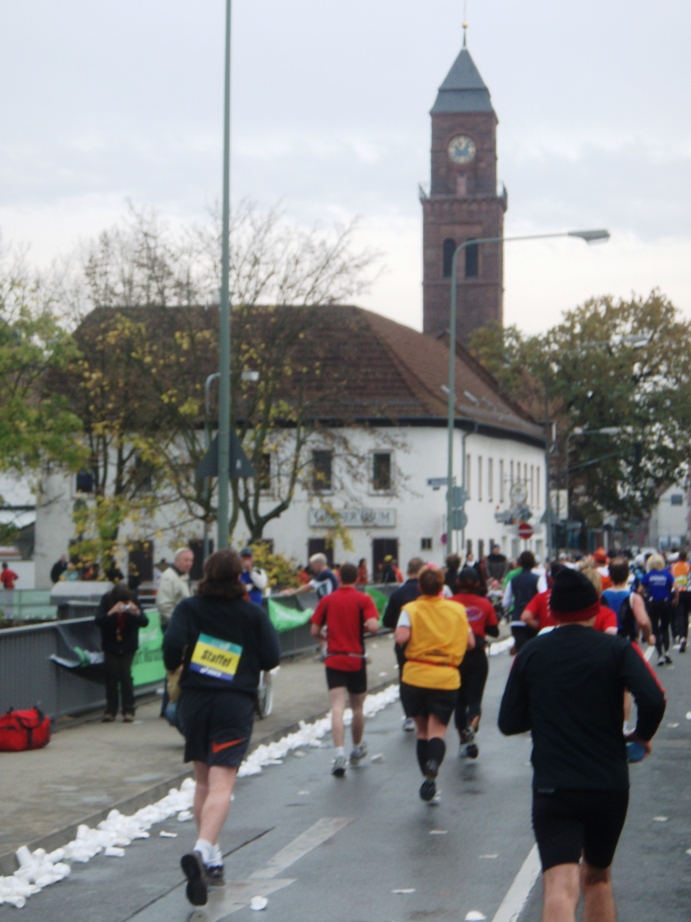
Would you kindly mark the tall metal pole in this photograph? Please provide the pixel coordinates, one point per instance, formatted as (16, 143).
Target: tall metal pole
(224, 337)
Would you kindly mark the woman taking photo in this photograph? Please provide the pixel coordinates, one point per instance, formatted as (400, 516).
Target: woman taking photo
(223, 641)
(119, 619)
(435, 634)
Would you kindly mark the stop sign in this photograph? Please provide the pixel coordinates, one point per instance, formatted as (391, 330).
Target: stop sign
(525, 530)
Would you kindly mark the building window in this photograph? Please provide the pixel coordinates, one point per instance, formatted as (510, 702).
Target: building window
(472, 261)
(518, 471)
(676, 499)
(264, 472)
(382, 478)
(469, 546)
(501, 481)
(425, 544)
(321, 471)
(511, 477)
(143, 474)
(448, 249)
(490, 480)
(480, 549)
(461, 184)
(538, 502)
(479, 477)
(468, 472)
(532, 485)
(85, 482)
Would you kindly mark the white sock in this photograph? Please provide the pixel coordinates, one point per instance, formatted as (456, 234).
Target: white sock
(340, 751)
(216, 859)
(205, 849)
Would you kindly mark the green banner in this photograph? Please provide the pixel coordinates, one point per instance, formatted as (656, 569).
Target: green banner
(147, 666)
(285, 617)
(379, 599)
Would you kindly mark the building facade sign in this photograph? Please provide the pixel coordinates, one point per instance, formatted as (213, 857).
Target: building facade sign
(353, 518)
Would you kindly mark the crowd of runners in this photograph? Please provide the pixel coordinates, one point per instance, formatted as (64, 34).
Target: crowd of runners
(571, 687)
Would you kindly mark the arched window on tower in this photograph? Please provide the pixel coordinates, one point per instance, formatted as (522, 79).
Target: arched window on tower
(472, 261)
(448, 249)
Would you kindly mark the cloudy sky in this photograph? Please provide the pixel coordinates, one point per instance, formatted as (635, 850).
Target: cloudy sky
(109, 101)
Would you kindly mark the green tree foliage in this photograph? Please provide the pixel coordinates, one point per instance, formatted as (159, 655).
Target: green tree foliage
(609, 364)
(36, 424)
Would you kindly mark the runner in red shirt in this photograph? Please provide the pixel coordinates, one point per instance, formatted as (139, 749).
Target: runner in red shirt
(8, 577)
(343, 617)
(482, 618)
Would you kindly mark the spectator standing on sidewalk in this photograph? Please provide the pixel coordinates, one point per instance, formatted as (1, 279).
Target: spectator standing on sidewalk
(174, 585)
(408, 592)
(223, 642)
(347, 615)
(567, 687)
(119, 619)
(58, 569)
(8, 577)
(255, 579)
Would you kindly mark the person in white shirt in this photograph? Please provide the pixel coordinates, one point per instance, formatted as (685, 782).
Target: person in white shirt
(174, 584)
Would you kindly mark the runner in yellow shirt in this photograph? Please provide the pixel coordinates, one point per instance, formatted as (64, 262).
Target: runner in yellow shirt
(435, 633)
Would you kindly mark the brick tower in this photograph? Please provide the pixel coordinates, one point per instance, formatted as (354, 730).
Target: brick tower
(463, 204)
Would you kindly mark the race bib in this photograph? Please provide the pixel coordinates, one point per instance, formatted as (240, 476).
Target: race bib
(216, 658)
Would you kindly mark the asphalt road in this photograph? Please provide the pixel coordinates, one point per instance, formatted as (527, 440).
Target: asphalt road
(338, 851)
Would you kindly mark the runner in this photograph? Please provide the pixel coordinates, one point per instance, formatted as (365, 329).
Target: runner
(474, 667)
(408, 592)
(223, 641)
(346, 614)
(519, 591)
(323, 582)
(435, 633)
(566, 688)
(658, 585)
(680, 571)
(536, 614)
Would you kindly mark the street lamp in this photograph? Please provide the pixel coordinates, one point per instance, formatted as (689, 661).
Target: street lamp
(590, 236)
(224, 325)
(607, 430)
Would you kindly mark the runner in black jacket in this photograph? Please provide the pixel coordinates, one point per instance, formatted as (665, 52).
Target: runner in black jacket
(566, 687)
(223, 641)
(408, 592)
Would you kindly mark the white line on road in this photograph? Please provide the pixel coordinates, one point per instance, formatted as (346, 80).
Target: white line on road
(322, 830)
(519, 891)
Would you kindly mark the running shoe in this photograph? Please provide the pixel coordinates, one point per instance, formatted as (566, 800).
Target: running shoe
(128, 718)
(358, 754)
(668, 659)
(192, 865)
(338, 769)
(428, 790)
(682, 645)
(408, 724)
(108, 719)
(661, 661)
(215, 875)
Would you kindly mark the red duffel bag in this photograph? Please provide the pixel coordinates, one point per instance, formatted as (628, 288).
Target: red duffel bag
(21, 730)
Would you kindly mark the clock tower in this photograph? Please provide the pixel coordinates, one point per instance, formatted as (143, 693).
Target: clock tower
(463, 204)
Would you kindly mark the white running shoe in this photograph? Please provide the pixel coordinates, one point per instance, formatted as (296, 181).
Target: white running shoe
(408, 725)
(358, 754)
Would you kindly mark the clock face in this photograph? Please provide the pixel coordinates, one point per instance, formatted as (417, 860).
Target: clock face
(462, 149)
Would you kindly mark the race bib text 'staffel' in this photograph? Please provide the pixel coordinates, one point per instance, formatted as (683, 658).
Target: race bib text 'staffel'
(216, 658)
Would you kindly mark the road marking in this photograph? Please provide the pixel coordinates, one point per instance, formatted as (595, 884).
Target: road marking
(519, 891)
(322, 830)
(238, 894)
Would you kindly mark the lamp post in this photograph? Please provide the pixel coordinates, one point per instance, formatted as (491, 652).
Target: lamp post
(590, 236)
(224, 326)
(607, 430)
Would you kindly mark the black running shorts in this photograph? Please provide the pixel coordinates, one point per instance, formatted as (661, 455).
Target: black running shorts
(217, 726)
(421, 702)
(355, 682)
(570, 823)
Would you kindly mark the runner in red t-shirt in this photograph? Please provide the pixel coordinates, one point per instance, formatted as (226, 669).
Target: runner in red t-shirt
(344, 616)
(482, 618)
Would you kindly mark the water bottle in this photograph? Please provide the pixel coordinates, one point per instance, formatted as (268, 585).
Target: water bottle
(635, 752)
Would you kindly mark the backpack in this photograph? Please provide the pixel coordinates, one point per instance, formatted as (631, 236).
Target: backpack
(20, 730)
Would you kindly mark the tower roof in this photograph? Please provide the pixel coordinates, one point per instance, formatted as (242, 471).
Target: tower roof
(464, 89)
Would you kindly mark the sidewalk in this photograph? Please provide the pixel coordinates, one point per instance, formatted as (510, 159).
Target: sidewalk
(90, 767)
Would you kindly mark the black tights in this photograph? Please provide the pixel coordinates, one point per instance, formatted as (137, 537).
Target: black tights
(660, 616)
(473, 669)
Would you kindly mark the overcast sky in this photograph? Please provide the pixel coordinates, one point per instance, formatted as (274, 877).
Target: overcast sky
(105, 101)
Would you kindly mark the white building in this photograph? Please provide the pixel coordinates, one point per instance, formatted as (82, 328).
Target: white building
(381, 435)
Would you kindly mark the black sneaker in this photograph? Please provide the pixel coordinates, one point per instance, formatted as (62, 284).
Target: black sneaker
(108, 719)
(428, 789)
(682, 645)
(431, 769)
(668, 659)
(215, 875)
(472, 751)
(193, 868)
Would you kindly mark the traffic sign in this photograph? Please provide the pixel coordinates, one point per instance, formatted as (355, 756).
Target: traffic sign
(437, 482)
(525, 530)
(459, 519)
(459, 497)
